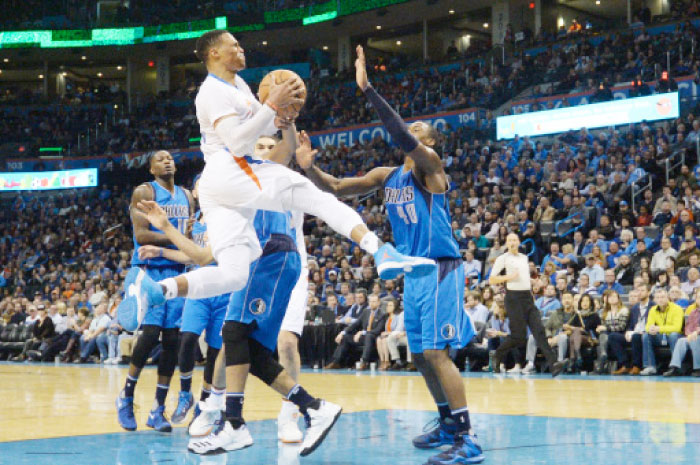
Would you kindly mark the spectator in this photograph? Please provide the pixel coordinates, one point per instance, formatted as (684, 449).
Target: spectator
(472, 266)
(555, 336)
(478, 312)
(579, 329)
(624, 273)
(42, 332)
(660, 260)
(354, 311)
(663, 327)
(96, 335)
(549, 302)
(614, 321)
(497, 332)
(690, 341)
(394, 329)
(595, 273)
(610, 283)
(367, 328)
(693, 282)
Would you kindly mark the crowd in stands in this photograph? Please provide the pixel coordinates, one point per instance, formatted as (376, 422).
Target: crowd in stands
(615, 268)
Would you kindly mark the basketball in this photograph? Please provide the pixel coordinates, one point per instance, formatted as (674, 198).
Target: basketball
(278, 76)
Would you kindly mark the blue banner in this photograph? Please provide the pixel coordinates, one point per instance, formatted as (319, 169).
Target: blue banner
(48, 180)
(365, 133)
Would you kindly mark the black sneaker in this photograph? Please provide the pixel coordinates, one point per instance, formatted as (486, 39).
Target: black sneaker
(673, 371)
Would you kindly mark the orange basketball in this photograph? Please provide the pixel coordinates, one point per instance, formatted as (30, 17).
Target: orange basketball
(278, 76)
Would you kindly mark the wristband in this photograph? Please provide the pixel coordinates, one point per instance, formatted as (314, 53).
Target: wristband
(160, 252)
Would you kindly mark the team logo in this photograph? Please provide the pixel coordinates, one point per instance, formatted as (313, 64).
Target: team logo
(257, 307)
(448, 331)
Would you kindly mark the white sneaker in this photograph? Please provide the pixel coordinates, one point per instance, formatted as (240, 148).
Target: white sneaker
(529, 369)
(288, 428)
(203, 424)
(223, 439)
(319, 423)
(648, 371)
(515, 370)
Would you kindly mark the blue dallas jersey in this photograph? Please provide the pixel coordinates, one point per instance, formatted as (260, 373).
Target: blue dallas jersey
(420, 220)
(177, 207)
(267, 223)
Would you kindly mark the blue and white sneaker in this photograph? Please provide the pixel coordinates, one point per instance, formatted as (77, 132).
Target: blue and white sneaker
(390, 263)
(184, 403)
(436, 433)
(140, 292)
(157, 420)
(125, 412)
(465, 450)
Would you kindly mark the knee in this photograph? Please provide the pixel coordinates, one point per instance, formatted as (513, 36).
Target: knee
(170, 339)
(287, 343)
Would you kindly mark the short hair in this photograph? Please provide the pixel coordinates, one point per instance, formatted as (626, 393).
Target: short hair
(362, 291)
(206, 42)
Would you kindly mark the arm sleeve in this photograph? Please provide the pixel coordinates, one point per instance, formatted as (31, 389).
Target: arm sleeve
(392, 121)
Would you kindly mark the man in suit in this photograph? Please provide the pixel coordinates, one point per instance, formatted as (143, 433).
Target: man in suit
(579, 243)
(353, 312)
(362, 333)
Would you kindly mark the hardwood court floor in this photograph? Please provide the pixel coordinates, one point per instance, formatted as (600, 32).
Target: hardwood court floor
(572, 417)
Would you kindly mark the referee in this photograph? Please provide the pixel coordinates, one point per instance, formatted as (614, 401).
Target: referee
(520, 306)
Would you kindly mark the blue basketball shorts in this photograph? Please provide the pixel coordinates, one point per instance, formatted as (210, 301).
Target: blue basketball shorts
(434, 308)
(206, 314)
(168, 315)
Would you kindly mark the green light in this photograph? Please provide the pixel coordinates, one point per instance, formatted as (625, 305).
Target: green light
(320, 18)
(195, 139)
(220, 22)
(51, 149)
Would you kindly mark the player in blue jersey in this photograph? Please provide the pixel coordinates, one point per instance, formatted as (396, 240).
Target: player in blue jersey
(163, 321)
(415, 196)
(198, 315)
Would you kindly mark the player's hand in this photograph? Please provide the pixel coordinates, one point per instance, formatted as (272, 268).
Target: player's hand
(305, 154)
(287, 93)
(153, 213)
(361, 69)
(149, 251)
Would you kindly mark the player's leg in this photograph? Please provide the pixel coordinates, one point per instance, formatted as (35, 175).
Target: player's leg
(208, 410)
(195, 317)
(534, 321)
(414, 298)
(444, 323)
(146, 341)
(288, 351)
(170, 337)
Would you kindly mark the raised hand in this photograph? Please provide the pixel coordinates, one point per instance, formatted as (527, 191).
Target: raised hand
(361, 69)
(287, 93)
(305, 154)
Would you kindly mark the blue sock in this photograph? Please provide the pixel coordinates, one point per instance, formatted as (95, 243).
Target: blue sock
(234, 409)
(461, 418)
(204, 395)
(445, 412)
(299, 397)
(130, 385)
(186, 383)
(161, 393)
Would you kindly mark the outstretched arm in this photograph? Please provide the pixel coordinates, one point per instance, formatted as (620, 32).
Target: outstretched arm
(157, 217)
(284, 150)
(337, 186)
(426, 159)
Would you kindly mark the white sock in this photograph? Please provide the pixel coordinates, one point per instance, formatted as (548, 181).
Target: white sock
(288, 409)
(217, 396)
(530, 365)
(170, 286)
(370, 243)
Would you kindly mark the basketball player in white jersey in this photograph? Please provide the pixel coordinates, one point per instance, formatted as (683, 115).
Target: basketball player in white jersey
(235, 184)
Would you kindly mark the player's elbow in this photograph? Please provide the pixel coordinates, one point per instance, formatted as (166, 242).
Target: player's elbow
(142, 237)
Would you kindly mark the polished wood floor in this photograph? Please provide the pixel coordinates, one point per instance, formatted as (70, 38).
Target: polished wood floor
(46, 401)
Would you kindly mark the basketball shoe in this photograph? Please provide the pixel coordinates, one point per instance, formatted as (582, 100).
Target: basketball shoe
(141, 292)
(436, 433)
(465, 450)
(390, 263)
